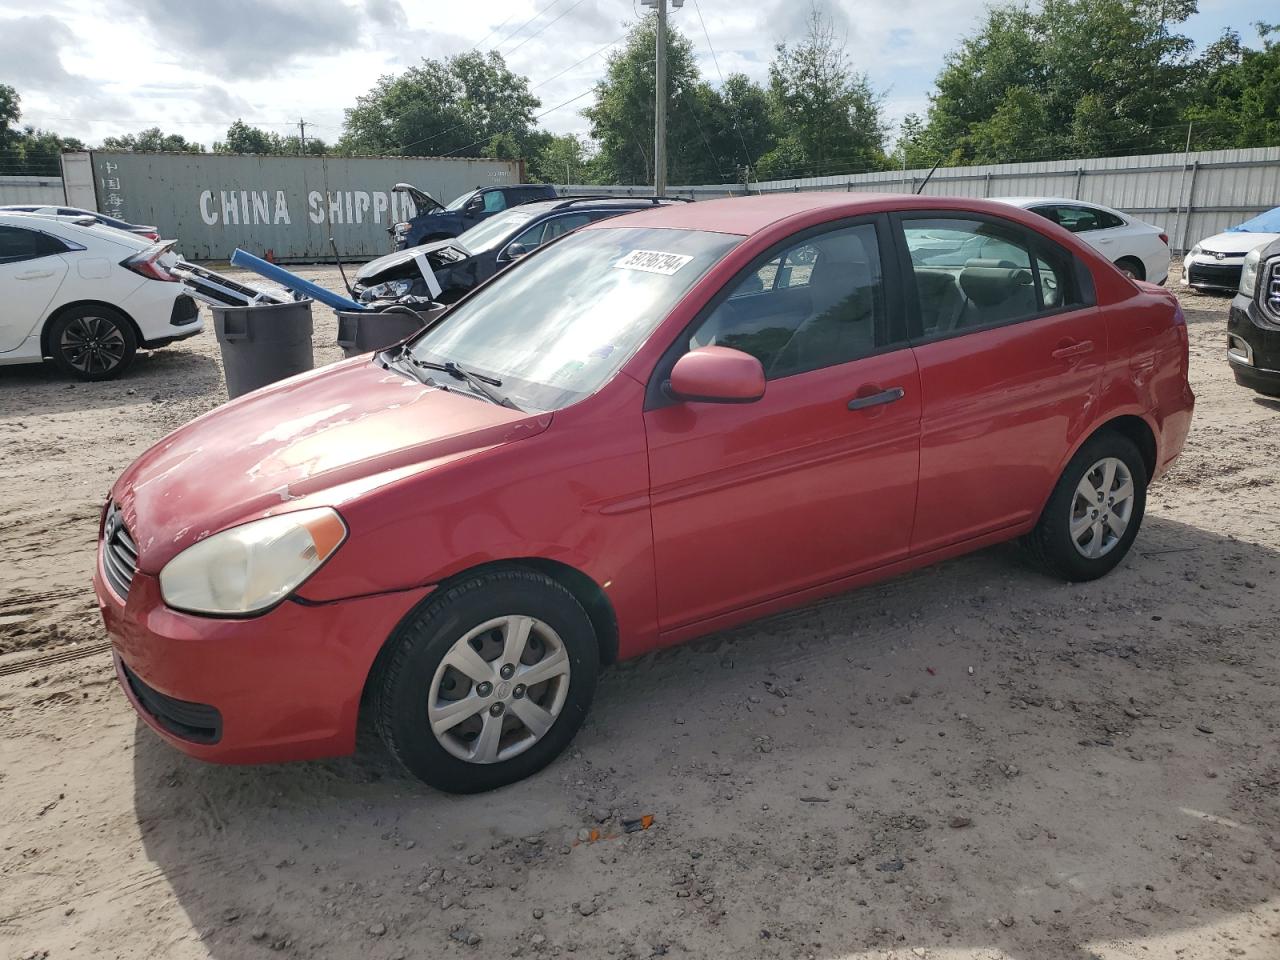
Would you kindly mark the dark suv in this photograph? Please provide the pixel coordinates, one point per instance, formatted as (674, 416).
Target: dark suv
(435, 221)
(1253, 324)
(458, 264)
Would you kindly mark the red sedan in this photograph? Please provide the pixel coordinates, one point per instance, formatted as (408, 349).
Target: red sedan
(648, 430)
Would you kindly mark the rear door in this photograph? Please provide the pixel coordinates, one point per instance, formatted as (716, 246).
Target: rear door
(816, 480)
(1010, 348)
(31, 271)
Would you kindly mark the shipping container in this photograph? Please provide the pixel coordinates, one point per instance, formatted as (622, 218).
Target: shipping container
(283, 208)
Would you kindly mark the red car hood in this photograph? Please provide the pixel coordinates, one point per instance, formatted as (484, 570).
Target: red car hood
(323, 433)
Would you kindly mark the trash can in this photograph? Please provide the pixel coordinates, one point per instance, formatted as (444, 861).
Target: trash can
(362, 331)
(263, 343)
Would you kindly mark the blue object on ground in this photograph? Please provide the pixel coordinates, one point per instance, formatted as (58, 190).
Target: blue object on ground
(1268, 222)
(242, 258)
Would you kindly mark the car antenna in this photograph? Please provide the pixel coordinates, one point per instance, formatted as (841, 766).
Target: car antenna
(926, 179)
(337, 259)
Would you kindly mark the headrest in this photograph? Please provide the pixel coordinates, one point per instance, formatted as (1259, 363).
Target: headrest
(987, 286)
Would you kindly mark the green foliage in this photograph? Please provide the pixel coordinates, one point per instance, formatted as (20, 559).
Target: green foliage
(561, 159)
(1071, 78)
(25, 150)
(242, 138)
(1236, 92)
(466, 105)
(153, 140)
(826, 112)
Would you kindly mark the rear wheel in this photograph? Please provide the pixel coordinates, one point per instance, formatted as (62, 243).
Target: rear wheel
(92, 342)
(487, 683)
(1094, 512)
(1132, 268)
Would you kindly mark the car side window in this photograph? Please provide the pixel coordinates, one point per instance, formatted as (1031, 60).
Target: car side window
(1082, 219)
(495, 201)
(548, 230)
(824, 304)
(975, 274)
(18, 244)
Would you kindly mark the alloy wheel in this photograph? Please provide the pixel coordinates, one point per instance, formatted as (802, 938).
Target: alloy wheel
(499, 689)
(93, 344)
(1101, 508)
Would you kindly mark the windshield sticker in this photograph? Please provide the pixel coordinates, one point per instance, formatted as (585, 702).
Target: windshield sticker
(653, 261)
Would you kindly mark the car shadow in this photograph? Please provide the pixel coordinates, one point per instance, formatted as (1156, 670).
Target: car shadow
(176, 370)
(972, 757)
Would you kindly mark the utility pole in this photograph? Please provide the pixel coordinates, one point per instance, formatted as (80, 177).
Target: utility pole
(302, 137)
(660, 98)
(660, 107)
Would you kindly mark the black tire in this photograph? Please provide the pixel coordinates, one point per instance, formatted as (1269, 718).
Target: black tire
(1132, 267)
(92, 342)
(402, 686)
(1051, 544)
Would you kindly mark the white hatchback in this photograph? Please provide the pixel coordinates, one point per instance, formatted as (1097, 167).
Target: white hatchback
(1138, 248)
(86, 295)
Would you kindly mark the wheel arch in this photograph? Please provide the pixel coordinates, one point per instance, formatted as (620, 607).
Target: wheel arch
(46, 349)
(583, 587)
(1141, 267)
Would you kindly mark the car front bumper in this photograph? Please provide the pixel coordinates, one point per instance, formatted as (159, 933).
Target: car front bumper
(285, 685)
(1209, 273)
(1253, 346)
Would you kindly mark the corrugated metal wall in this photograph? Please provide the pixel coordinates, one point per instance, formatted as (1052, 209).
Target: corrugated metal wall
(40, 190)
(1219, 188)
(288, 206)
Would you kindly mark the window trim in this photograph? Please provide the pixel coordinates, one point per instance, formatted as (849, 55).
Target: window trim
(1038, 246)
(890, 276)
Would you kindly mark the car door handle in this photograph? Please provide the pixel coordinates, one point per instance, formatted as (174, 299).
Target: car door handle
(1075, 349)
(876, 399)
(1104, 239)
(34, 275)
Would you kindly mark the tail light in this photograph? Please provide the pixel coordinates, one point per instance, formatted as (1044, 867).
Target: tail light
(1179, 318)
(150, 235)
(1164, 238)
(147, 263)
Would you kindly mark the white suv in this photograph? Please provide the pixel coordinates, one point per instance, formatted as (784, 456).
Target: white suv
(86, 295)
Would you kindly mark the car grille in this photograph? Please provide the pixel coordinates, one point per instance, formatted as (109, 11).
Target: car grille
(1272, 288)
(197, 722)
(1215, 275)
(119, 553)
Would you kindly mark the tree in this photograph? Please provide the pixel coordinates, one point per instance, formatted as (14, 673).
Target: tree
(456, 106)
(152, 140)
(26, 150)
(561, 159)
(242, 138)
(826, 111)
(1235, 92)
(1075, 77)
(10, 112)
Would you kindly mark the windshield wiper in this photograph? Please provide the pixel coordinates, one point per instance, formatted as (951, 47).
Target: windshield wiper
(477, 381)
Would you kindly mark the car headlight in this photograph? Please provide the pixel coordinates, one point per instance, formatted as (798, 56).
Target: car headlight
(1249, 274)
(248, 569)
(387, 291)
(1195, 251)
(401, 228)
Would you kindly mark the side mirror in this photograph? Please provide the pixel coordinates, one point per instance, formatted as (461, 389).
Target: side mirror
(475, 205)
(716, 375)
(514, 251)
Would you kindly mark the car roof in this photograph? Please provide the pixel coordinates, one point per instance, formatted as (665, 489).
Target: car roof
(749, 215)
(1064, 201)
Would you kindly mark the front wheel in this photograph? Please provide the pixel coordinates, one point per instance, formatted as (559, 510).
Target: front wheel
(1094, 512)
(488, 682)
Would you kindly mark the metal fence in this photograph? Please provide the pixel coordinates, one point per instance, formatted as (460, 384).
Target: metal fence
(41, 190)
(1189, 196)
(286, 207)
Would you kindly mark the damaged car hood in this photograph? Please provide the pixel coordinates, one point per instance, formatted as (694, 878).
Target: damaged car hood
(401, 263)
(328, 435)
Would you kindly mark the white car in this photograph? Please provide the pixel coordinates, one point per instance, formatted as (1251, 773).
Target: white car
(88, 296)
(1138, 248)
(1215, 263)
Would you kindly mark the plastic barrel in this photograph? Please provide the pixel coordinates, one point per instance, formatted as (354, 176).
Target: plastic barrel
(263, 343)
(362, 331)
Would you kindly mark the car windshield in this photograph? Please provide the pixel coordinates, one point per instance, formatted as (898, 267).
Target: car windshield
(460, 202)
(556, 326)
(488, 234)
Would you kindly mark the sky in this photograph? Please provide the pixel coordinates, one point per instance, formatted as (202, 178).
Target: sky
(96, 69)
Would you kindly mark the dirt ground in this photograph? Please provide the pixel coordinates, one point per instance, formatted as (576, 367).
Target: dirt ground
(972, 761)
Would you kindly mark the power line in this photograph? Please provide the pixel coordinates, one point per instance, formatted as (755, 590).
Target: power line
(493, 31)
(585, 93)
(557, 76)
(527, 22)
(544, 27)
(746, 154)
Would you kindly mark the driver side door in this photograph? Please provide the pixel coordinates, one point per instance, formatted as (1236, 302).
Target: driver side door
(814, 482)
